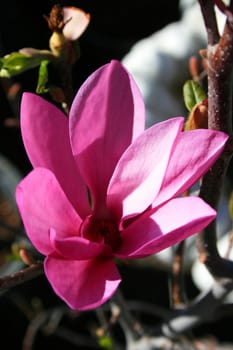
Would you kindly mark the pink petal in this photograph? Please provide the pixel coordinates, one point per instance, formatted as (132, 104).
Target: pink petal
(43, 205)
(140, 171)
(78, 21)
(176, 220)
(194, 154)
(106, 115)
(84, 284)
(45, 132)
(74, 248)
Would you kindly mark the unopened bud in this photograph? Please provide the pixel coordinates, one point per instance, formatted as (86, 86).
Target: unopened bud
(193, 67)
(26, 257)
(198, 118)
(58, 43)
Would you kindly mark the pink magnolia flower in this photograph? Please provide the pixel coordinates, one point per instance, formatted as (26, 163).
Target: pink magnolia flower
(102, 187)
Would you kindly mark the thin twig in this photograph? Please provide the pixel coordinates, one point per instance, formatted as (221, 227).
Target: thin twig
(21, 276)
(131, 326)
(149, 309)
(32, 330)
(209, 16)
(46, 321)
(178, 297)
(203, 310)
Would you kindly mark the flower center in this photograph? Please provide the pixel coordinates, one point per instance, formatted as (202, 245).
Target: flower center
(101, 230)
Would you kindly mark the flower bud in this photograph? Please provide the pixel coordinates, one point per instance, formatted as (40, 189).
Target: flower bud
(198, 118)
(58, 43)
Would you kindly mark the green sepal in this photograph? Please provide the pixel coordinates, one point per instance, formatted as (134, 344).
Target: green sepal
(43, 78)
(193, 94)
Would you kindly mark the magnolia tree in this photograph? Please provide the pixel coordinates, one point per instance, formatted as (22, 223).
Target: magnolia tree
(104, 190)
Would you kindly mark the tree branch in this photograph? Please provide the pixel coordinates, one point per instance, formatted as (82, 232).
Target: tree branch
(21, 276)
(204, 309)
(208, 13)
(219, 70)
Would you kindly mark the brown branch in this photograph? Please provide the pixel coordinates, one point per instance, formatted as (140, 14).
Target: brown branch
(220, 65)
(207, 240)
(207, 8)
(219, 71)
(21, 276)
(226, 10)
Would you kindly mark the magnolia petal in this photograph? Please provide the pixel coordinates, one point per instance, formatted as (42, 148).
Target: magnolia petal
(43, 205)
(84, 284)
(45, 133)
(140, 171)
(77, 22)
(176, 220)
(106, 115)
(74, 248)
(193, 155)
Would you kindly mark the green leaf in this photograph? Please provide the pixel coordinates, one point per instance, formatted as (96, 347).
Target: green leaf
(106, 343)
(193, 94)
(43, 78)
(17, 62)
